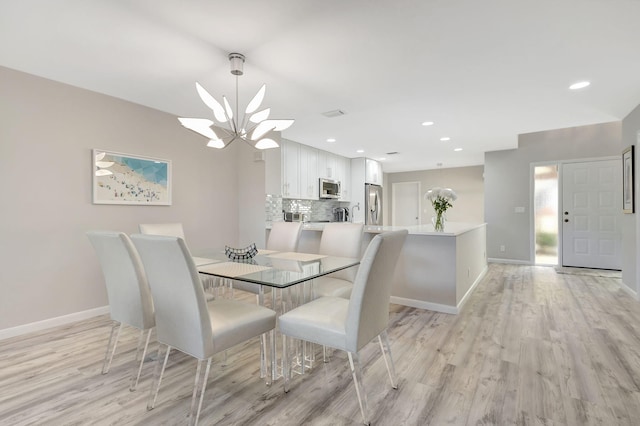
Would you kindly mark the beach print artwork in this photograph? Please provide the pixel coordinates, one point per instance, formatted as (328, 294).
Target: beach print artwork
(128, 179)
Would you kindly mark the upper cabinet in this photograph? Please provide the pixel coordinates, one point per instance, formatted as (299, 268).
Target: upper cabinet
(290, 169)
(308, 173)
(294, 169)
(373, 172)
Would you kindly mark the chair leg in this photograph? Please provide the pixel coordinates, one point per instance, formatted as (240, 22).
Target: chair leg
(161, 364)
(354, 363)
(383, 338)
(136, 375)
(286, 364)
(116, 328)
(198, 389)
(263, 355)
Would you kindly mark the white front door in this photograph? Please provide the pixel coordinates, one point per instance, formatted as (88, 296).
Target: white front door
(405, 204)
(591, 212)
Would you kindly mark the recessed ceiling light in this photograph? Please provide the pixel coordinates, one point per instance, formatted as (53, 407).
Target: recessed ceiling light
(428, 123)
(360, 151)
(331, 140)
(446, 138)
(457, 149)
(579, 85)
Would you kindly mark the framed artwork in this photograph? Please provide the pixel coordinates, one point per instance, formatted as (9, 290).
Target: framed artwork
(130, 179)
(628, 204)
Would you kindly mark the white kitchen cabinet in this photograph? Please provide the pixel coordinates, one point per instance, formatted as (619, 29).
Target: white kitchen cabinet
(293, 171)
(373, 172)
(343, 174)
(327, 165)
(290, 169)
(308, 173)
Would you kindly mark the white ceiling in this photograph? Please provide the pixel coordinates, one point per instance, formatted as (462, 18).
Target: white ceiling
(483, 71)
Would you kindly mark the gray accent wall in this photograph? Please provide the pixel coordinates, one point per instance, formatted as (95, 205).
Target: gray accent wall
(631, 222)
(507, 180)
(467, 182)
(47, 132)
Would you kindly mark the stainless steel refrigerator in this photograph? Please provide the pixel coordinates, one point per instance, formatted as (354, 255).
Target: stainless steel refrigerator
(373, 204)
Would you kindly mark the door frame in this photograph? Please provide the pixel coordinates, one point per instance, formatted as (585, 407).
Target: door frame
(393, 201)
(532, 224)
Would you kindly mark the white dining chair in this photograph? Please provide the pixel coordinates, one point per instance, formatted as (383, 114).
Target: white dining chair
(348, 325)
(283, 237)
(168, 229)
(128, 292)
(184, 319)
(342, 240)
(175, 229)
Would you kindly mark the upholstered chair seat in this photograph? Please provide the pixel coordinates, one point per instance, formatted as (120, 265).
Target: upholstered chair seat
(128, 291)
(342, 240)
(184, 319)
(350, 324)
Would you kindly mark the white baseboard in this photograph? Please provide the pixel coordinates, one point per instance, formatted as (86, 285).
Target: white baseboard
(421, 304)
(473, 286)
(52, 322)
(446, 309)
(629, 290)
(511, 261)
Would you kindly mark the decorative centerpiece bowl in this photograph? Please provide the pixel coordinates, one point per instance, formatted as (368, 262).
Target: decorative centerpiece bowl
(241, 254)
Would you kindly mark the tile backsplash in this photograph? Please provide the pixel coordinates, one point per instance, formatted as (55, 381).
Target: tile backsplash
(315, 210)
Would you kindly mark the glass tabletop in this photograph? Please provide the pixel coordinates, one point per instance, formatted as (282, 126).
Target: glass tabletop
(273, 269)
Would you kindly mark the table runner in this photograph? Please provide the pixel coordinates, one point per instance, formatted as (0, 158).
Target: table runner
(232, 269)
(300, 257)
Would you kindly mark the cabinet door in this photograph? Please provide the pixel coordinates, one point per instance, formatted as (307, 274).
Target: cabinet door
(308, 173)
(290, 170)
(344, 171)
(324, 169)
(373, 172)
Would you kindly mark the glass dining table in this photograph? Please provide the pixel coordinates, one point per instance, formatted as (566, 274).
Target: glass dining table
(275, 270)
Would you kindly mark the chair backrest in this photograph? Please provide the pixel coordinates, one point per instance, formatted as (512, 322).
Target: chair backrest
(342, 239)
(368, 313)
(284, 236)
(182, 319)
(166, 229)
(127, 287)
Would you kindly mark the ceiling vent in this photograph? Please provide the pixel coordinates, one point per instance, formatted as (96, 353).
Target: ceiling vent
(334, 113)
(392, 153)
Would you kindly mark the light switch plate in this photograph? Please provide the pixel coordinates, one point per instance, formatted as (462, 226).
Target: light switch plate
(519, 209)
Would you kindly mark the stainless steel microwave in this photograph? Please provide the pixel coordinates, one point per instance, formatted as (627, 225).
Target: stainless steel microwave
(329, 188)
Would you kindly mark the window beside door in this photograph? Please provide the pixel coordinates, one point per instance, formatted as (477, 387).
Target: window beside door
(546, 214)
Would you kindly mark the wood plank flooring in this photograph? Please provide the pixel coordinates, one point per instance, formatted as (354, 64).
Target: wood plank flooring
(531, 347)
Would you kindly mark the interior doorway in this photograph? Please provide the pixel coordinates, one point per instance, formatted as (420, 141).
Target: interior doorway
(545, 188)
(405, 204)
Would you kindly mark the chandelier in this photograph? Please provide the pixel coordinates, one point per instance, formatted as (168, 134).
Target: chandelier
(252, 128)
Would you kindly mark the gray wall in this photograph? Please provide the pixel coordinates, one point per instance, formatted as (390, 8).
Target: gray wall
(47, 131)
(507, 180)
(467, 182)
(630, 237)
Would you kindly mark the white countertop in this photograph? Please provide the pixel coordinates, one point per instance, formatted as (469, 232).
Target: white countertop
(450, 228)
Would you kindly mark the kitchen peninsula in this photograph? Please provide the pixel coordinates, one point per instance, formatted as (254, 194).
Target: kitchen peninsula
(436, 270)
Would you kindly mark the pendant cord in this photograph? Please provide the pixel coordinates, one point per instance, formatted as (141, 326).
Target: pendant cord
(237, 101)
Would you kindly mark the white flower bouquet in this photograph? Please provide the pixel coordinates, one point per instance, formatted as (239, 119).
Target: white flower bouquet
(441, 200)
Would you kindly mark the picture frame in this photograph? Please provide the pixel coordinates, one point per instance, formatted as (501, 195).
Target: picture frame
(120, 178)
(628, 173)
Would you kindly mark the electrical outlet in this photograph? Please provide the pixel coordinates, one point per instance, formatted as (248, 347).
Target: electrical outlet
(503, 248)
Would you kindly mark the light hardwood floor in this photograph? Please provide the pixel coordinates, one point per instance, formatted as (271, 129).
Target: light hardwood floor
(531, 347)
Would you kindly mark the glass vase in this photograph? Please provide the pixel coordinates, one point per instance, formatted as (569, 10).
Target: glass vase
(438, 222)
